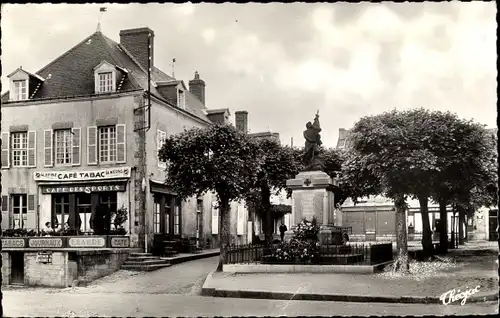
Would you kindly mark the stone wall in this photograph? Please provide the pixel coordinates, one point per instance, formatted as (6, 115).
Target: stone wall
(67, 267)
(5, 268)
(92, 265)
(53, 274)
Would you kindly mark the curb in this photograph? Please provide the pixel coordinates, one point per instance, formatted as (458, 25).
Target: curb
(193, 257)
(256, 294)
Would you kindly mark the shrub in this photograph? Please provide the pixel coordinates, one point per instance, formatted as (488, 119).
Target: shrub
(307, 230)
(121, 216)
(303, 246)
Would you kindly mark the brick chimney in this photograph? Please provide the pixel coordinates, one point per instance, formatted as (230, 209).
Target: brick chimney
(241, 119)
(197, 87)
(136, 42)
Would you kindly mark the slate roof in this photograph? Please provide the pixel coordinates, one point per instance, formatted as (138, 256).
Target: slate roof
(72, 74)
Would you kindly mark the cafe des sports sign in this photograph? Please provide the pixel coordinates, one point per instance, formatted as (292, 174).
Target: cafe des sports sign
(100, 174)
(86, 189)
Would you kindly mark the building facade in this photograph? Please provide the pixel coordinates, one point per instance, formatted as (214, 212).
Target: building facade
(83, 132)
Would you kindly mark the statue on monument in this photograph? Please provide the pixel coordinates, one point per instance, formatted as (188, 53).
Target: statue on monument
(312, 160)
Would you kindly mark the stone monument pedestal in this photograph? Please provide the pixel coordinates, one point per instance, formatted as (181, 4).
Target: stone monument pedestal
(312, 197)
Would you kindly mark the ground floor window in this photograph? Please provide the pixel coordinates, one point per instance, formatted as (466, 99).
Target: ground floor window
(61, 208)
(156, 215)
(167, 216)
(83, 212)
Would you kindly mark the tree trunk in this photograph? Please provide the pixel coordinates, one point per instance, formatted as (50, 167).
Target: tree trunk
(443, 230)
(267, 215)
(401, 264)
(427, 234)
(224, 230)
(461, 223)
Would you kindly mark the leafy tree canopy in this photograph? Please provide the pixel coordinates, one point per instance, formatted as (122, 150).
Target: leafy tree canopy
(217, 158)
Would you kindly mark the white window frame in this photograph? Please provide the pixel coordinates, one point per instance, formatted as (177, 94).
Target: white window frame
(106, 82)
(18, 94)
(23, 210)
(181, 99)
(67, 144)
(106, 145)
(22, 149)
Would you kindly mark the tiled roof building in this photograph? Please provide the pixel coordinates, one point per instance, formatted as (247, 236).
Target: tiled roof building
(76, 134)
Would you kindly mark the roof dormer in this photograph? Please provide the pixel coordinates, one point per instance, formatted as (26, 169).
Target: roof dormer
(105, 75)
(174, 91)
(23, 84)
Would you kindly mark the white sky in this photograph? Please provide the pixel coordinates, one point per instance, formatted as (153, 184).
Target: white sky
(283, 62)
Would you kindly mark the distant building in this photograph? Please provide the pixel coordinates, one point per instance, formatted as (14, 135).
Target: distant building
(373, 217)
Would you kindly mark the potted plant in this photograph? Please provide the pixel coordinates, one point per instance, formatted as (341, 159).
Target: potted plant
(121, 216)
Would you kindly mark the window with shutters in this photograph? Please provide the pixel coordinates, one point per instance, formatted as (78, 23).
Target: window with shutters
(19, 210)
(63, 146)
(107, 144)
(19, 149)
(20, 90)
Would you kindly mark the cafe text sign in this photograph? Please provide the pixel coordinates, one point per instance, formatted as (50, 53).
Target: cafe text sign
(101, 174)
(86, 189)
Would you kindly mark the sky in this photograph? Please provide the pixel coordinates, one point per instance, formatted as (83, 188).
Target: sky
(284, 62)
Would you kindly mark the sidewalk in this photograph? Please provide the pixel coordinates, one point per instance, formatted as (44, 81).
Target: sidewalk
(425, 284)
(186, 257)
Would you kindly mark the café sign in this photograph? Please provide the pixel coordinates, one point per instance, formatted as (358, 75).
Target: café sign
(86, 189)
(101, 174)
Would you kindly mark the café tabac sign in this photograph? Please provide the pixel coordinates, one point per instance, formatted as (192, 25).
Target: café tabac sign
(101, 174)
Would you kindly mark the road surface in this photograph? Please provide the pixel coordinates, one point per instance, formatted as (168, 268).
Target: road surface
(174, 291)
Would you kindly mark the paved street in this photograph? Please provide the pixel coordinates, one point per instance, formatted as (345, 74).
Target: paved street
(174, 291)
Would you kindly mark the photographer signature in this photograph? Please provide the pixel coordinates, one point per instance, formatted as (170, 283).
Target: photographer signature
(454, 295)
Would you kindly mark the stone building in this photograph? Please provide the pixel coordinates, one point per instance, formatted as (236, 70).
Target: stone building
(80, 133)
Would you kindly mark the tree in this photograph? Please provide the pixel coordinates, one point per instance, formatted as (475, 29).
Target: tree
(218, 159)
(279, 163)
(468, 179)
(388, 157)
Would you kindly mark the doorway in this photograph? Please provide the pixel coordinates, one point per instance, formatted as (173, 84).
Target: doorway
(370, 225)
(16, 268)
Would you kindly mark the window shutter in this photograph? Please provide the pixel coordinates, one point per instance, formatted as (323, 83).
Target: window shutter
(5, 150)
(47, 147)
(31, 148)
(5, 212)
(5, 203)
(215, 219)
(121, 153)
(92, 145)
(31, 215)
(239, 228)
(76, 147)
